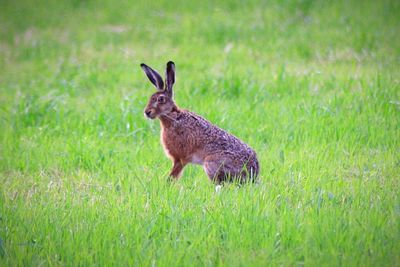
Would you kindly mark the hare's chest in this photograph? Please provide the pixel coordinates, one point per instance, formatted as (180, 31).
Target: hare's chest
(174, 142)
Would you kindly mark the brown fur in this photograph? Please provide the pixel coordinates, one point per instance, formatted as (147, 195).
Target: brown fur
(189, 138)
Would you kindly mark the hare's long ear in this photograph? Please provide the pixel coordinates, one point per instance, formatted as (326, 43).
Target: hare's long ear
(153, 76)
(170, 77)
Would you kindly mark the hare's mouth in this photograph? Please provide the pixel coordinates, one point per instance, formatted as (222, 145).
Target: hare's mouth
(149, 114)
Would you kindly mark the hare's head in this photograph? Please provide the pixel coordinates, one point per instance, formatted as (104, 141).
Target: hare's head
(161, 102)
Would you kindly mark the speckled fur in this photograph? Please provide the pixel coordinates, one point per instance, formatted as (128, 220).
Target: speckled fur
(189, 138)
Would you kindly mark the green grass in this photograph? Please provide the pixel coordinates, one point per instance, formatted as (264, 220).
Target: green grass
(312, 86)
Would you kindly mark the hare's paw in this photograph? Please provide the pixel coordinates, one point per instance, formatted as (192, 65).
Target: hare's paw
(171, 179)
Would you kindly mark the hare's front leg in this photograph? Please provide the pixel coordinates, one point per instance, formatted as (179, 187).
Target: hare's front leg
(177, 169)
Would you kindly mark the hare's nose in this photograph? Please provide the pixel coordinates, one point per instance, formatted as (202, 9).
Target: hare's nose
(147, 112)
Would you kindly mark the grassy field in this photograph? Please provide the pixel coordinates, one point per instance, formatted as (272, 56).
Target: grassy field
(312, 86)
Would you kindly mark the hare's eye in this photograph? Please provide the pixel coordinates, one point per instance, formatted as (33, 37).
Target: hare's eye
(161, 99)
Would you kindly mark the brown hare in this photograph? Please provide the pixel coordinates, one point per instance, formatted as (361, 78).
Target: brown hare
(189, 138)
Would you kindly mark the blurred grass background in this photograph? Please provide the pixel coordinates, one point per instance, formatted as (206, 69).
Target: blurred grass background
(312, 86)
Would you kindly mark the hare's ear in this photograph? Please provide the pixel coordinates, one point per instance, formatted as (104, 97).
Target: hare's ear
(153, 76)
(170, 77)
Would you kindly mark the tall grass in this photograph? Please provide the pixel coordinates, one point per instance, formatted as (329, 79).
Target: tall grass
(312, 86)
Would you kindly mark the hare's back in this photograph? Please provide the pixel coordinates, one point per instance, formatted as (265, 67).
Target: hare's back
(217, 140)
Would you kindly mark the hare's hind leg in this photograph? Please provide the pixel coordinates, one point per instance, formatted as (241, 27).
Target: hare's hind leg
(213, 170)
(217, 169)
(177, 169)
(221, 170)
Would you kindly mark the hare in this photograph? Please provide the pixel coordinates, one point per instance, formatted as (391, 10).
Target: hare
(189, 138)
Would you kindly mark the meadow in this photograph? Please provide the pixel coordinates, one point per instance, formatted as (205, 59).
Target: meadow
(312, 86)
